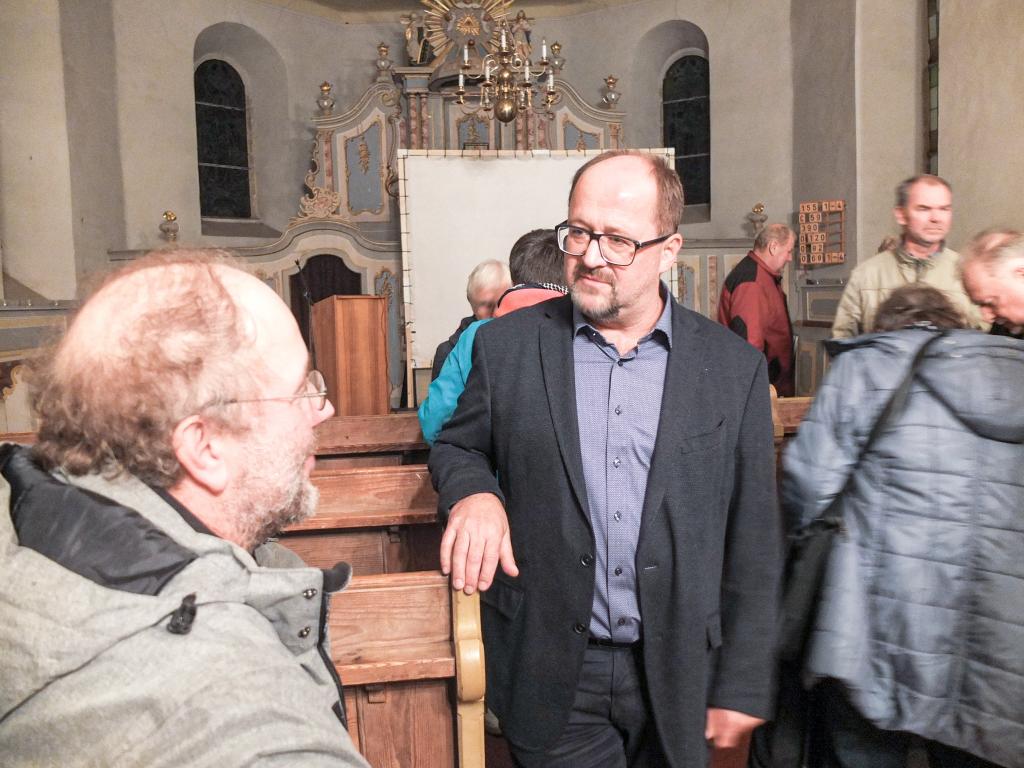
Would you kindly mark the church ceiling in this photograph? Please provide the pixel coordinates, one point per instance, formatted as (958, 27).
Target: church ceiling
(362, 11)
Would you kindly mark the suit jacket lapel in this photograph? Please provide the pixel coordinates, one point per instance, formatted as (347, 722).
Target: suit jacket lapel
(678, 417)
(559, 375)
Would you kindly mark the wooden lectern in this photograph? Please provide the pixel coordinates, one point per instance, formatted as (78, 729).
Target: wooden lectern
(350, 336)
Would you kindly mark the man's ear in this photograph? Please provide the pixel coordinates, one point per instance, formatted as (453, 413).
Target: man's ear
(669, 252)
(201, 451)
(900, 215)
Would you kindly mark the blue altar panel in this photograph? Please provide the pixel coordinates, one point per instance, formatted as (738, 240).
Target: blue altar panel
(363, 163)
(574, 138)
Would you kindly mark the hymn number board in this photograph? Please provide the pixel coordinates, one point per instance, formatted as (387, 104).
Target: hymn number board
(822, 232)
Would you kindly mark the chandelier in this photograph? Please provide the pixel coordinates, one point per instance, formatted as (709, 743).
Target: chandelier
(508, 80)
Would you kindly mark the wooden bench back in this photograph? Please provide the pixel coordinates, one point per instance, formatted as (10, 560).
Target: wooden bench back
(397, 641)
(378, 519)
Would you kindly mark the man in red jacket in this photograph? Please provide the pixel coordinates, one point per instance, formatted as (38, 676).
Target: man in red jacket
(753, 303)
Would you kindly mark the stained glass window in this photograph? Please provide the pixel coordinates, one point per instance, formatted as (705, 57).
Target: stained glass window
(223, 142)
(686, 117)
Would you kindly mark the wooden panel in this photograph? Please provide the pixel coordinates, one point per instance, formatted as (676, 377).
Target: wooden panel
(371, 551)
(370, 434)
(792, 411)
(348, 462)
(372, 496)
(393, 627)
(364, 550)
(407, 724)
(352, 715)
(350, 337)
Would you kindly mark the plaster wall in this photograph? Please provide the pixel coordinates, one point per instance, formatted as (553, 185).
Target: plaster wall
(750, 59)
(824, 105)
(890, 59)
(981, 90)
(156, 114)
(87, 38)
(35, 176)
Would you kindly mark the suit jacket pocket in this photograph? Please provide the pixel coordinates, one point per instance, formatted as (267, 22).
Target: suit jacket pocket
(505, 597)
(703, 441)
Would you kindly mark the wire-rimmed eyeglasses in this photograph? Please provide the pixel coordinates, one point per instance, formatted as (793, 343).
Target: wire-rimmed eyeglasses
(618, 250)
(316, 391)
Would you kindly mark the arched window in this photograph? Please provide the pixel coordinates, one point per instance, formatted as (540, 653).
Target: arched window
(222, 135)
(686, 121)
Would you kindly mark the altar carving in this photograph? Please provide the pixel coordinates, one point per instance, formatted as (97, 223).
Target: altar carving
(350, 206)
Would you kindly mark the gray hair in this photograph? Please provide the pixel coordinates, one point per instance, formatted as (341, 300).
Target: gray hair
(992, 246)
(772, 233)
(487, 274)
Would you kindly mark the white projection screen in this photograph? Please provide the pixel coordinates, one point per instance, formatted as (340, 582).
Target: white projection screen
(458, 209)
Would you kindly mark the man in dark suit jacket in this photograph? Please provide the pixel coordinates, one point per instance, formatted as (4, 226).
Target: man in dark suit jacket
(614, 452)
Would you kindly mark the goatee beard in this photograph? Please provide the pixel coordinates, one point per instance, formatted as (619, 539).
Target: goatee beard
(579, 299)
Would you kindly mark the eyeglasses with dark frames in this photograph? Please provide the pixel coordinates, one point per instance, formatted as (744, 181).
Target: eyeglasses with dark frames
(617, 250)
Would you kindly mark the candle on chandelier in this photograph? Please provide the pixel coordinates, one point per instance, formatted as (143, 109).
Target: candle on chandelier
(465, 54)
(504, 40)
(487, 71)
(551, 81)
(462, 81)
(526, 71)
(544, 48)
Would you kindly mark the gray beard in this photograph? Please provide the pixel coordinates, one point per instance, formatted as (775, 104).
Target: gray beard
(610, 312)
(262, 524)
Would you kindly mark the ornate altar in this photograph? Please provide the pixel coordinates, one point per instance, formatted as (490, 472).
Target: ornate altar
(465, 83)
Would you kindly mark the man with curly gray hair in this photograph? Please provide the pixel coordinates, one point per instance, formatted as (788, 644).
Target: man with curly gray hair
(147, 619)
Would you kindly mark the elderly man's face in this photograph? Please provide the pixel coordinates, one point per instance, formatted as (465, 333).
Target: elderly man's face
(485, 300)
(271, 487)
(997, 289)
(779, 254)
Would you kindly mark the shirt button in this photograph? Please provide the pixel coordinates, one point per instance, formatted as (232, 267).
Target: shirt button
(586, 560)
(618, 571)
(578, 628)
(616, 462)
(621, 622)
(618, 410)
(621, 363)
(617, 516)
(304, 632)
(309, 594)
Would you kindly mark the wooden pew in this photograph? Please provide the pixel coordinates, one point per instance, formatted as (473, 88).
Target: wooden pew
(787, 413)
(348, 441)
(378, 519)
(404, 645)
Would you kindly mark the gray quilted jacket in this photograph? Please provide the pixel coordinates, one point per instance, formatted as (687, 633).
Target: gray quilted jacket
(922, 614)
(106, 661)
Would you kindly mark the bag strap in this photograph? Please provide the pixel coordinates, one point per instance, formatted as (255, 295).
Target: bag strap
(892, 406)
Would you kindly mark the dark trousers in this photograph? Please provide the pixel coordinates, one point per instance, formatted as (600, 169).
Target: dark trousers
(850, 741)
(610, 724)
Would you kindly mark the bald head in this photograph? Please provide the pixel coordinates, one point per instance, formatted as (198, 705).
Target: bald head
(168, 336)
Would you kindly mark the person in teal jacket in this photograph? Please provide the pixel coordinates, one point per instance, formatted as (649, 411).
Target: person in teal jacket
(536, 265)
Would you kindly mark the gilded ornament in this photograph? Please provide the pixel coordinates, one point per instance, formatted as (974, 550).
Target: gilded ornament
(364, 155)
(468, 25)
